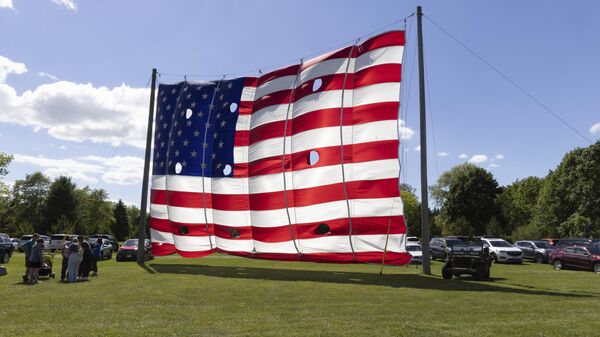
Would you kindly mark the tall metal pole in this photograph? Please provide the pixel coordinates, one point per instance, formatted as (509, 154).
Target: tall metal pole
(144, 203)
(423, 133)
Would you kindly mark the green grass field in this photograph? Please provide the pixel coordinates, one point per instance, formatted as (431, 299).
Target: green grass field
(228, 296)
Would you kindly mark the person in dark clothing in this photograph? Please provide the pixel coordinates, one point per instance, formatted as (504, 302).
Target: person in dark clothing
(64, 251)
(86, 262)
(96, 257)
(27, 247)
(36, 259)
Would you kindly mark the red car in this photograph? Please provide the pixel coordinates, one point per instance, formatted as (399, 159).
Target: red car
(580, 257)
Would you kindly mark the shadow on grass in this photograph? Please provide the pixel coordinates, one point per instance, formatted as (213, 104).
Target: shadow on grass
(393, 280)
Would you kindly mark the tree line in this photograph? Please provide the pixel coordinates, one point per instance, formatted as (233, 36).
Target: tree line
(468, 201)
(40, 204)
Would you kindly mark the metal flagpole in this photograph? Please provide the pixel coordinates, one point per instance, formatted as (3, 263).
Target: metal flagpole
(423, 132)
(144, 203)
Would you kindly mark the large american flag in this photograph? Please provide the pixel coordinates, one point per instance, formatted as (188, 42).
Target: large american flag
(297, 164)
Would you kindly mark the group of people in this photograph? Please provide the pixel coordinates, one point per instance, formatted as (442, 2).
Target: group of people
(79, 259)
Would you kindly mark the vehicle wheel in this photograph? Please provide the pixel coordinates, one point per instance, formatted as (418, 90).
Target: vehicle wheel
(494, 257)
(538, 259)
(557, 264)
(480, 274)
(487, 273)
(597, 267)
(431, 255)
(110, 255)
(5, 257)
(446, 274)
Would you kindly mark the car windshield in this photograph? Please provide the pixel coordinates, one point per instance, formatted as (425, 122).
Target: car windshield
(541, 244)
(450, 242)
(413, 248)
(500, 243)
(131, 242)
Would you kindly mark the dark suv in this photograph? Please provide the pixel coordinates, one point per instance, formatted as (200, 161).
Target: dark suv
(437, 246)
(536, 250)
(562, 243)
(110, 238)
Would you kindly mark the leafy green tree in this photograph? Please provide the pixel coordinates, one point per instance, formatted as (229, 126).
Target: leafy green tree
(5, 197)
(133, 214)
(95, 212)
(29, 196)
(518, 201)
(412, 210)
(120, 226)
(61, 201)
(467, 195)
(569, 200)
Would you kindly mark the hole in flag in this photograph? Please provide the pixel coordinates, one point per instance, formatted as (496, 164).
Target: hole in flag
(235, 233)
(183, 230)
(317, 84)
(227, 170)
(233, 107)
(178, 168)
(313, 158)
(322, 229)
(188, 113)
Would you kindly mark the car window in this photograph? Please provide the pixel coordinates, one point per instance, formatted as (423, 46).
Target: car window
(580, 251)
(569, 250)
(499, 243)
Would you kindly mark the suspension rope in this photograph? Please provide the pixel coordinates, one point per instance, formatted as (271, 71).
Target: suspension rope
(505, 77)
(285, 196)
(342, 152)
(203, 165)
(430, 113)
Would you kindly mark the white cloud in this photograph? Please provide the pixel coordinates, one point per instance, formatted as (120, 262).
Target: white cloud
(418, 148)
(499, 156)
(463, 156)
(76, 112)
(68, 4)
(443, 154)
(91, 169)
(7, 66)
(405, 132)
(6, 4)
(595, 129)
(494, 165)
(50, 76)
(478, 158)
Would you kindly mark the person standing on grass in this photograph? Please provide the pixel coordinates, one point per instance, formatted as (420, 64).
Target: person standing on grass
(64, 251)
(96, 257)
(27, 248)
(86, 262)
(74, 260)
(36, 258)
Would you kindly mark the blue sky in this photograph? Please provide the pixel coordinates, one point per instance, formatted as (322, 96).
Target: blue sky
(73, 76)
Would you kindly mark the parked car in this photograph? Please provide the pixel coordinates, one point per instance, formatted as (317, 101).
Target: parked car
(562, 243)
(502, 250)
(15, 243)
(415, 251)
(113, 242)
(26, 238)
(106, 249)
(579, 257)
(412, 240)
(437, 246)
(128, 251)
(6, 248)
(536, 250)
(56, 239)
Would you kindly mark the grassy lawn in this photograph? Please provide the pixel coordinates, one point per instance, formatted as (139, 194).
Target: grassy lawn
(222, 295)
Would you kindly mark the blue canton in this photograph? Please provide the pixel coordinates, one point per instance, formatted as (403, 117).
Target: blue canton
(195, 128)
